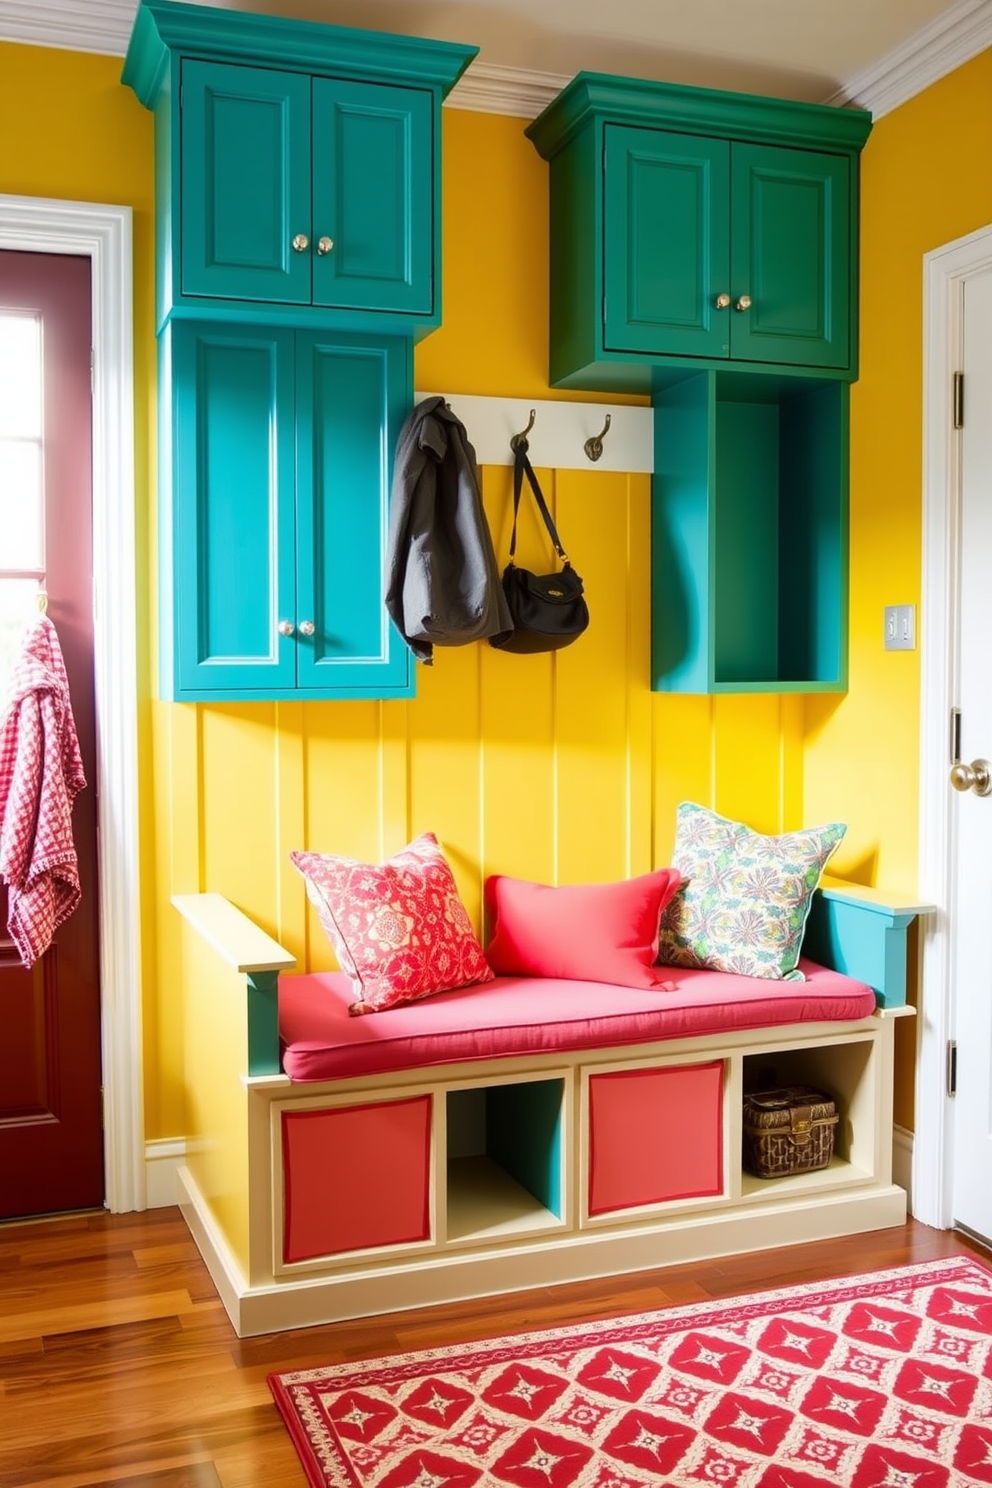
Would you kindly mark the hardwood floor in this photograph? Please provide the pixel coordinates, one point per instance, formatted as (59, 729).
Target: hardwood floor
(118, 1364)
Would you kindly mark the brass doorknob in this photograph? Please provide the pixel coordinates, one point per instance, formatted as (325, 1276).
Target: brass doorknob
(744, 303)
(301, 243)
(975, 777)
(324, 245)
(722, 301)
(307, 627)
(285, 627)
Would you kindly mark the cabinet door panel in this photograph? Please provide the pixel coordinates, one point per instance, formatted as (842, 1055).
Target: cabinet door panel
(791, 254)
(245, 183)
(665, 243)
(373, 167)
(233, 557)
(353, 395)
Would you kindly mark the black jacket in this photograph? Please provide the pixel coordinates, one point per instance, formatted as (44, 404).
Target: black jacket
(442, 582)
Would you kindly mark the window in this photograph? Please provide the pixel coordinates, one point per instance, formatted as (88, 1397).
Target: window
(22, 494)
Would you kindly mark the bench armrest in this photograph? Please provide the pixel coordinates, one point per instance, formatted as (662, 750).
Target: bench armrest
(245, 949)
(863, 933)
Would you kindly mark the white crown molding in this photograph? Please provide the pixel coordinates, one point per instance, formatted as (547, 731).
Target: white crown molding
(937, 49)
(950, 40)
(487, 89)
(76, 25)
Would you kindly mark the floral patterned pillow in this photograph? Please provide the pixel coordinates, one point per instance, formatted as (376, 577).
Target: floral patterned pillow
(398, 928)
(744, 899)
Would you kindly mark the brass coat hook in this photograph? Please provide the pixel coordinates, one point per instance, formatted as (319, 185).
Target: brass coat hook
(519, 441)
(594, 445)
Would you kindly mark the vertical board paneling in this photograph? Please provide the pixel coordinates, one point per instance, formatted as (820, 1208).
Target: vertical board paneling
(444, 764)
(517, 724)
(237, 775)
(289, 785)
(637, 601)
(343, 796)
(593, 683)
(559, 767)
(182, 730)
(682, 760)
(747, 759)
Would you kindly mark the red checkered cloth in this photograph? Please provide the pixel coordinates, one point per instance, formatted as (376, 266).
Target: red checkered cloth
(41, 772)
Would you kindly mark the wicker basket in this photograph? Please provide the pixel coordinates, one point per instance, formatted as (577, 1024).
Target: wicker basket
(790, 1130)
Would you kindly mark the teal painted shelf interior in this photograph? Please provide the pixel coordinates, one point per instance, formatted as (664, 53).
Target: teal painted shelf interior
(749, 535)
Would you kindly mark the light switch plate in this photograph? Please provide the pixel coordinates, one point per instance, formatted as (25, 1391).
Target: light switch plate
(900, 627)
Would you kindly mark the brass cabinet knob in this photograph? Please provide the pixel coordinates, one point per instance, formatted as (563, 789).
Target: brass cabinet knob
(285, 627)
(977, 777)
(301, 243)
(744, 303)
(324, 245)
(722, 301)
(307, 627)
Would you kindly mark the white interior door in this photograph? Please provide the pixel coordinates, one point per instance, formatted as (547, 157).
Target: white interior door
(971, 968)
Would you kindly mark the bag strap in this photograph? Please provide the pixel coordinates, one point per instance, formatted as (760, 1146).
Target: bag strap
(522, 467)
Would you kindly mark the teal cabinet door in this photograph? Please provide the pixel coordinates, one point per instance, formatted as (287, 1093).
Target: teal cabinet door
(245, 183)
(306, 191)
(228, 552)
(666, 242)
(352, 397)
(791, 256)
(275, 498)
(373, 195)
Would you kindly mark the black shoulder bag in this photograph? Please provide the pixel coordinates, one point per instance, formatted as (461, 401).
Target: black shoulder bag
(548, 610)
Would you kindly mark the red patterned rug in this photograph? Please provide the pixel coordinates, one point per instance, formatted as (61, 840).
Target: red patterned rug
(878, 1381)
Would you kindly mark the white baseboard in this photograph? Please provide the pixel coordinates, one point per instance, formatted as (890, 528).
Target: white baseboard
(902, 1161)
(163, 1160)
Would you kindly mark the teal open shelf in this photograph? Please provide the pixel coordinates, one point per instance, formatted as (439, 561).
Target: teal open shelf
(749, 534)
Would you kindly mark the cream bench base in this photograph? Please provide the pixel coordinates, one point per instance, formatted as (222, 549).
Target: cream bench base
(485, 1232)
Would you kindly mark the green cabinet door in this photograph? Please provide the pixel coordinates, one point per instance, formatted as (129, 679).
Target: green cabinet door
(276, 479)
(373, 197)
(725, 250)
(245, 183)
(228, 530)
(352, 397)
(791, 256)
(666, 242)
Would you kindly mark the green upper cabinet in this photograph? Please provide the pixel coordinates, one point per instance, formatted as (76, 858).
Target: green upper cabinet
(297, 166)
(696, 228)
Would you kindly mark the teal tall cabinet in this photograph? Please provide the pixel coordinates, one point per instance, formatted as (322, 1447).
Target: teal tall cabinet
(704, 251)
(298, 236)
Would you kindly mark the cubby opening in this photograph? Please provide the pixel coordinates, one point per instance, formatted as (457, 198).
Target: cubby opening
(749, 534)
(504, 1168)
(847, 1073)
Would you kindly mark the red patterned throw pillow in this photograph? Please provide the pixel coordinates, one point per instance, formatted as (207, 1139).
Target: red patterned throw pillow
(398, 928)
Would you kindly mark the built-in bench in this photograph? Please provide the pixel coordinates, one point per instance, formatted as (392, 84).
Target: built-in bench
(519, 1133)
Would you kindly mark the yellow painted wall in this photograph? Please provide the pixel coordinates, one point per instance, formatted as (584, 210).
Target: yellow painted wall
(923, 185)
(561, 768)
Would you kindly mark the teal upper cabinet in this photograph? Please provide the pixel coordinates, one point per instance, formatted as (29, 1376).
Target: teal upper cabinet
(298, 165)
(696, 228)
(332, 210)
(269, 437)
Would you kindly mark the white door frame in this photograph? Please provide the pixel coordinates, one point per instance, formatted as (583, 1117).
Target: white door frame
(945, 270)
(103, 234)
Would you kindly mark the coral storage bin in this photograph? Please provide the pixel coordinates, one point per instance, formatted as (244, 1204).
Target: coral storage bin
(790, 1130)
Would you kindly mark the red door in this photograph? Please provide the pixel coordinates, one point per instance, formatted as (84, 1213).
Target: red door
(51, 1129)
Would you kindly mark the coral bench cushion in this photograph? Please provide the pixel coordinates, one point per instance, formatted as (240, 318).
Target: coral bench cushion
(514, 1015)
